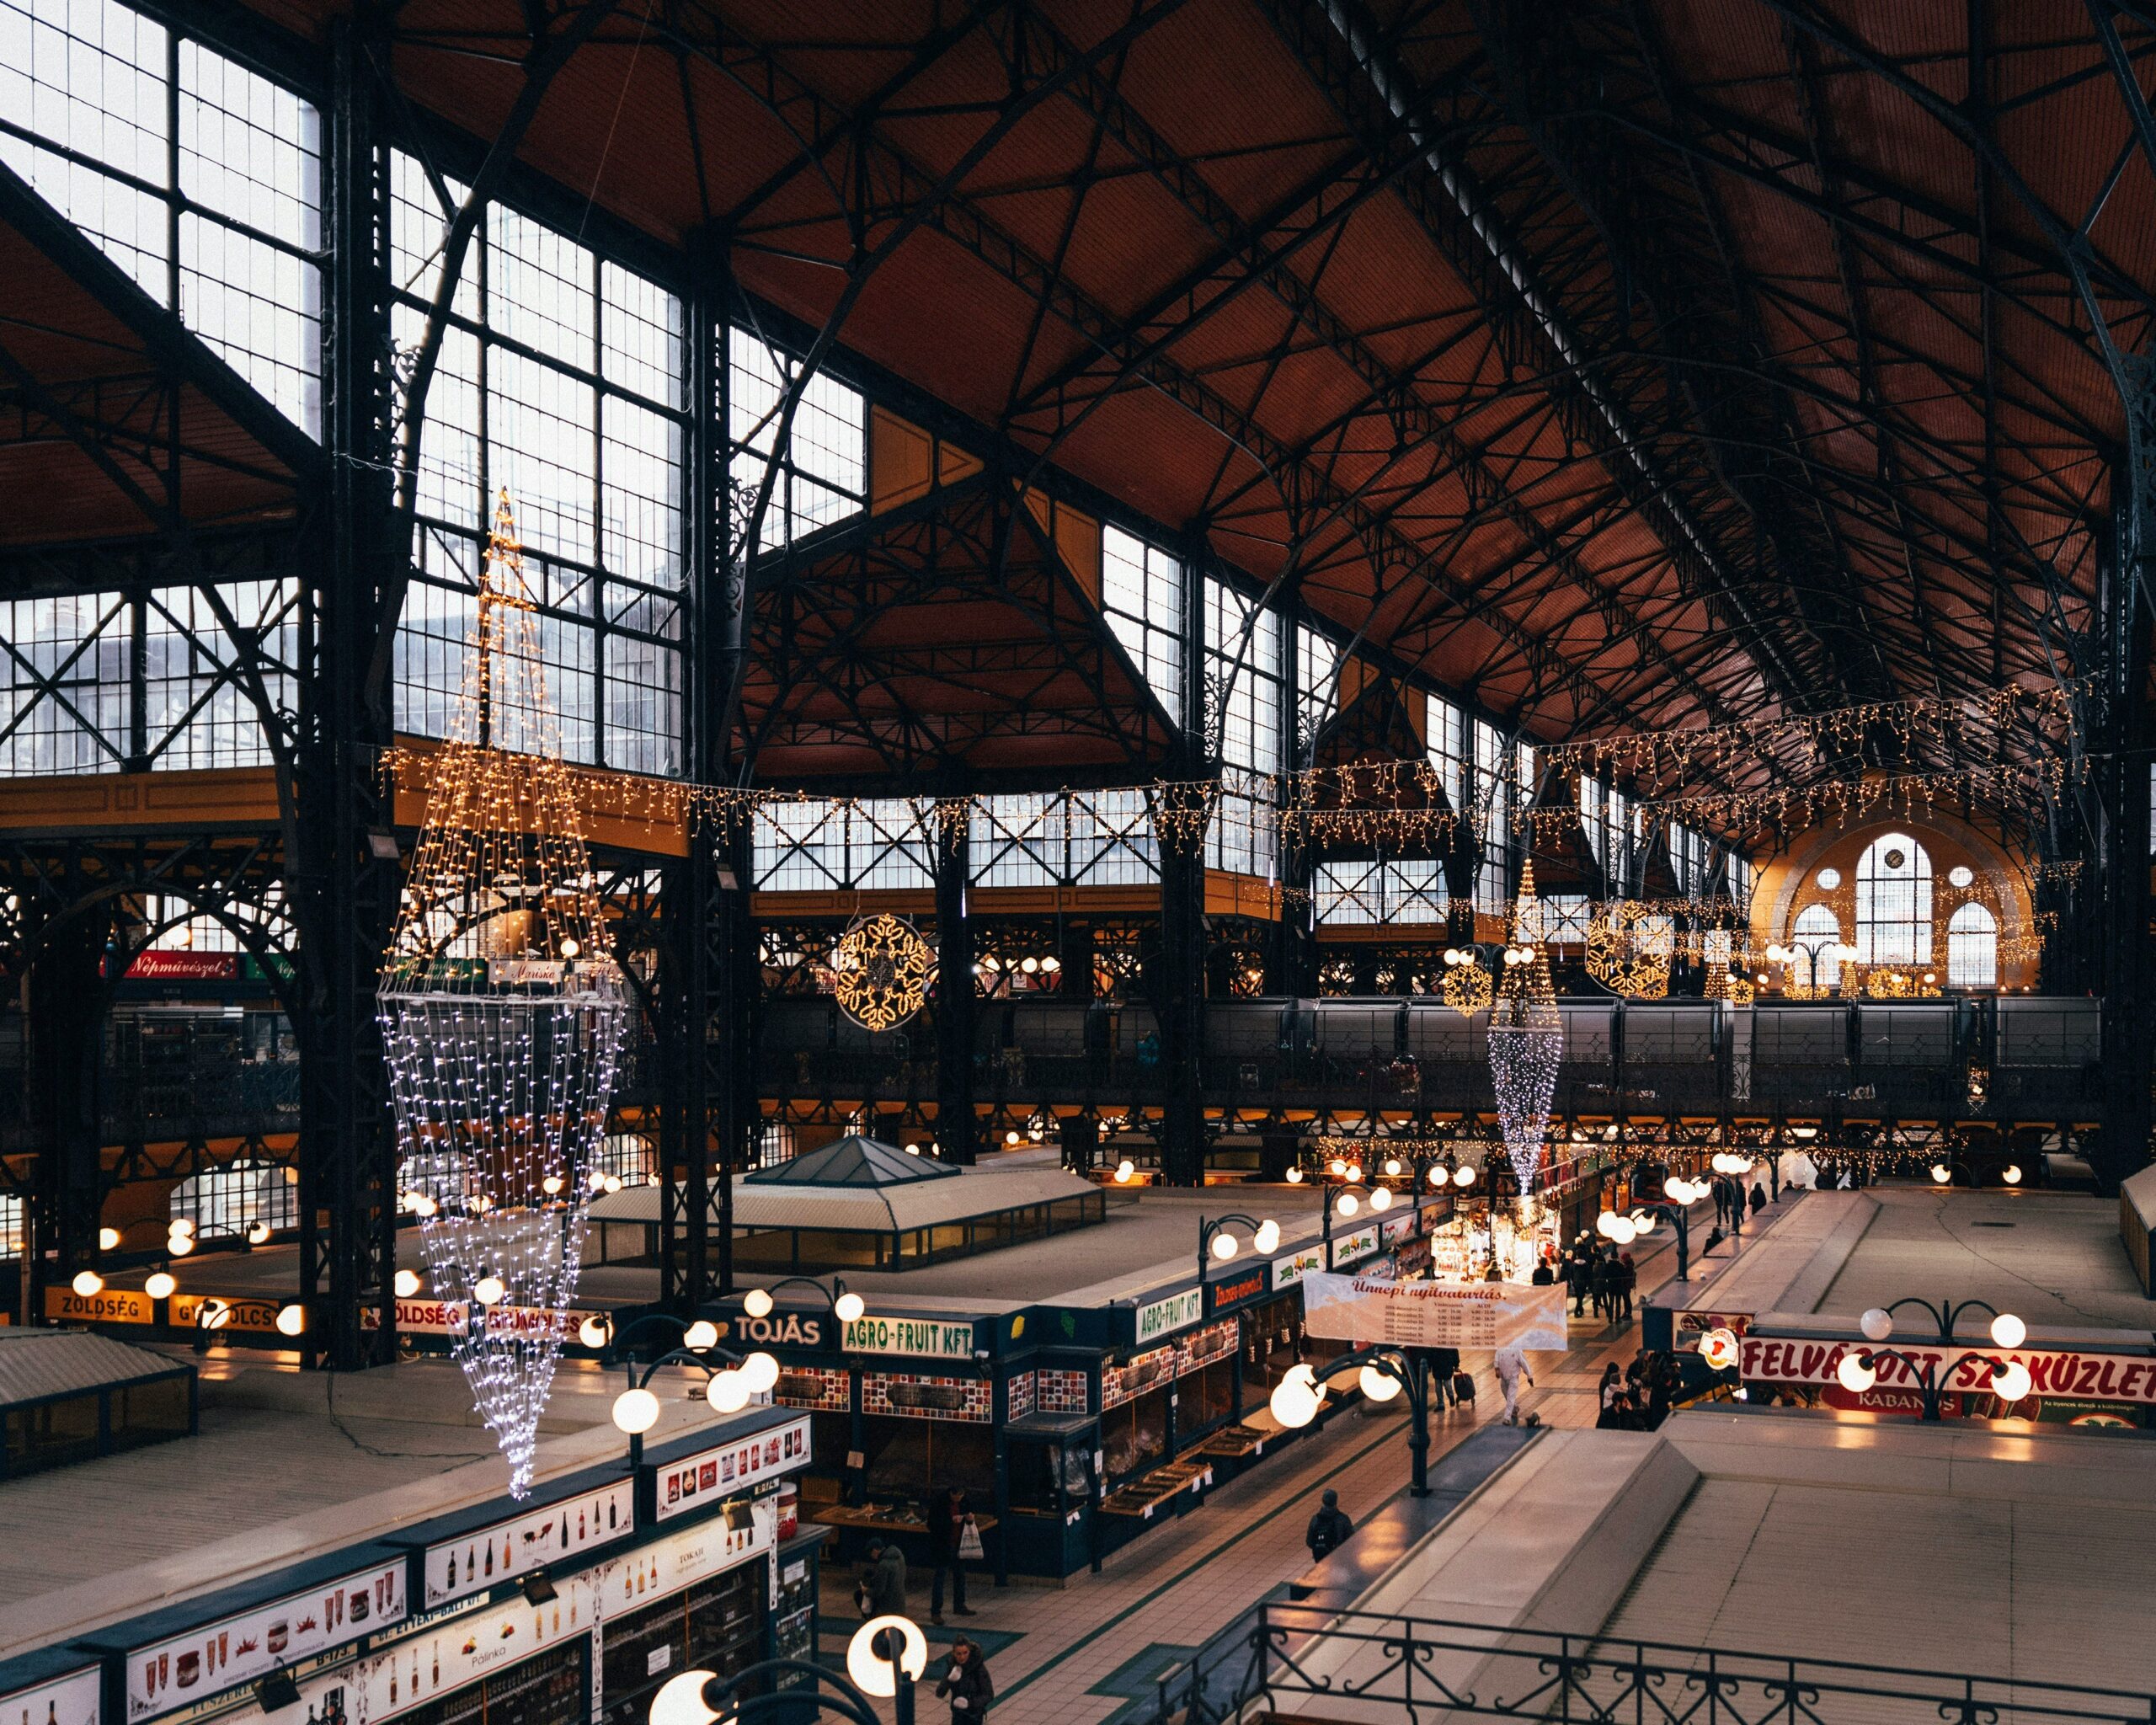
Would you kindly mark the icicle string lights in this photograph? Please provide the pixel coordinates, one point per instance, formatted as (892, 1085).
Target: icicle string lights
(1527, 1040)
(503, 1016)
(1406, 802)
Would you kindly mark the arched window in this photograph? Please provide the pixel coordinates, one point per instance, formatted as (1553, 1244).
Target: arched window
(229, 1200)
(1817, 933)
(1973, 947)
(1893, 902)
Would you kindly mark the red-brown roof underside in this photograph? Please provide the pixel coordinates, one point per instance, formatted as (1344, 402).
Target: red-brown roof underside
(96, 379)
(1891, 435)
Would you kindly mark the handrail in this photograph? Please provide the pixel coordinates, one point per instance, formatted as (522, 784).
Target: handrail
(1288, 1661)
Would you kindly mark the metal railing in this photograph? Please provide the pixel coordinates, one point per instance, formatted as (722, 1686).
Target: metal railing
(1284, 1662)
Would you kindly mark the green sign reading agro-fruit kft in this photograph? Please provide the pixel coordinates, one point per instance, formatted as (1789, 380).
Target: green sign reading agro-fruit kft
(927, 1336)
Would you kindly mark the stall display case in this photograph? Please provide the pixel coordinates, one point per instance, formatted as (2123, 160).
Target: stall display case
(552, 1688)
(716, 1624)
(1051, 1464)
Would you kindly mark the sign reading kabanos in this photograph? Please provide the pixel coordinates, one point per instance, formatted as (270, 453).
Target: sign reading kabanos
(2108, 1377)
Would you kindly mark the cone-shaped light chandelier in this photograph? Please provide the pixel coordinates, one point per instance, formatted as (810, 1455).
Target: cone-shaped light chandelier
(1527, 1039)
(503, 1017)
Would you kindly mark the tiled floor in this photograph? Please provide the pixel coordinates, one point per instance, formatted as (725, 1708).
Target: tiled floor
(2053, 1258)
(1088, 1653)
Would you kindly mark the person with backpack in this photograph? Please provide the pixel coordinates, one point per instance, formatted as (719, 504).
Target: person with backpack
(1445, 1376)
(966, 1682)
(881, 1592)
(1329, 1528)
(1578, 1278)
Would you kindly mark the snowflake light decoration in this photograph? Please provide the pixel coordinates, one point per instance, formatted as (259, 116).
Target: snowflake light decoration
(881, 968)
(1467, 989)
(503, 1016)
(1628, 950)
(1527, 1042)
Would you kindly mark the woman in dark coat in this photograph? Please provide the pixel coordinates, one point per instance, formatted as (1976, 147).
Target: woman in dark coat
(966, 1682)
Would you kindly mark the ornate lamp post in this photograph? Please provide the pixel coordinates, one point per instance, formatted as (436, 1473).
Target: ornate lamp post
(1381, 1373)
(884, 1661)
(2010, 1379)
(1214, 1241)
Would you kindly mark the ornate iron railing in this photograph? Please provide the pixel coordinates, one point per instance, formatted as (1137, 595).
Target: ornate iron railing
(1284, 1662)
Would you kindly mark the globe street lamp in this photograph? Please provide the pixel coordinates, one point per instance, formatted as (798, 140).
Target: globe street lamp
(884, 1661)
(1214, 1240)
(728, 1387)
(1622, 1227)
(1381, 1373)
(846, 1308)
(2007, 1331)
(1859, 1371)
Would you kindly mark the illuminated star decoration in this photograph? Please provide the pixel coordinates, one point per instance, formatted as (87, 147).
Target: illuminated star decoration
(1527, 1041)
(503, 1016)
(881, 970)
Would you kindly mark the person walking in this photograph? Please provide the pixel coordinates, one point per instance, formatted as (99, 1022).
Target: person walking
(1623, 1277)
(966, 1682)
(1577, 1279)
(1758, 1198)
(881, 1590)
(1329, 1528)
(1444, 1366)
(946, 1531)
(1511, 1367)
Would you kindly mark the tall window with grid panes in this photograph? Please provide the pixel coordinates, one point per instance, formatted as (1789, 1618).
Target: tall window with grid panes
(1141, 595)
(560, 383)
(201, 179)
(1318, 659)
(821, 477)
(1494, 791)
(1243, 702)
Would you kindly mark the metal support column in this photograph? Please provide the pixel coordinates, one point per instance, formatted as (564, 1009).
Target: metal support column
(64, 1009)
(1178, 984)
(708, 997)
(957, 1131)
(2124, 770)
(346, 878)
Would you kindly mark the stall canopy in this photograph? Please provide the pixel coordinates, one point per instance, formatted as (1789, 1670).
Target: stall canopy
(70, 1395)
(865, 1203)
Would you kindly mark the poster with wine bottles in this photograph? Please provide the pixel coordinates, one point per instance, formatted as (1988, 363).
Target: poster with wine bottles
(235, 1651)
(471, 1645)
(698, 1480)
(482, 1559)
(75, 1699)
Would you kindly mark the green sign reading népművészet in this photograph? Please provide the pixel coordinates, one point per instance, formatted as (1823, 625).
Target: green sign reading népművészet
(935, 1338)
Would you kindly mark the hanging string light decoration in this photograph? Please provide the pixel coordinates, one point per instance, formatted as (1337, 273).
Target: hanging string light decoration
(881, 969)
(503, 1014)
(1527, 1040)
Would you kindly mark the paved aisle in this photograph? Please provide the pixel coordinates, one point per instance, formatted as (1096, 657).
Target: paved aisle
(1082, 1654)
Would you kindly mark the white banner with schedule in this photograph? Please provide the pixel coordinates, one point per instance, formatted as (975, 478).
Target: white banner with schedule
(1465, 1314)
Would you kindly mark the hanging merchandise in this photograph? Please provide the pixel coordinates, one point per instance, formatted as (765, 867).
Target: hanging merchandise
(1527, 1042)
(881, 968)
(503, 1016)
